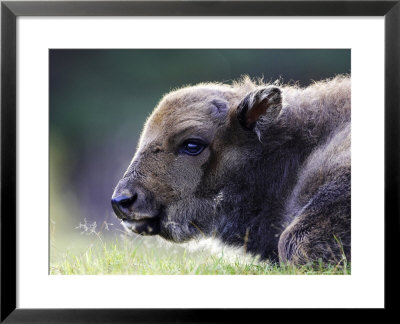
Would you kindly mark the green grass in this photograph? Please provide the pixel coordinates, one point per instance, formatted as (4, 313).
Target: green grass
(95, 254)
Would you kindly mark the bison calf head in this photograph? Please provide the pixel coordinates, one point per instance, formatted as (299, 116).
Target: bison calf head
(189, 171)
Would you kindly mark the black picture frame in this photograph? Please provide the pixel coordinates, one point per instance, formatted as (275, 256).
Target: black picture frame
(10, 10)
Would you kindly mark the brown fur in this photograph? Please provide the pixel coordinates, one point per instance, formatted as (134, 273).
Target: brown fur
(277, 181)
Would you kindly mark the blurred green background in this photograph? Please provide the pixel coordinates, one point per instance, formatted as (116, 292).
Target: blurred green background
(99, 100)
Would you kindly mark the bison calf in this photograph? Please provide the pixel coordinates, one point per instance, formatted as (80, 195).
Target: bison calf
(261, 166)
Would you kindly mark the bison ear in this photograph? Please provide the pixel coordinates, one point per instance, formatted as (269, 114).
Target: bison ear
(261, 102)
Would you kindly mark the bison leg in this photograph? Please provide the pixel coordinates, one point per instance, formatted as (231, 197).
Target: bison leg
(318, 211)
(319, 233)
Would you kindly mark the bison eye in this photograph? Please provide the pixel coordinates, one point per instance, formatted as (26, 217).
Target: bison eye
(193, 147)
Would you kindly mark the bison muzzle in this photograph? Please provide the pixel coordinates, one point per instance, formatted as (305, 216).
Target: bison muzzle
(262, 166)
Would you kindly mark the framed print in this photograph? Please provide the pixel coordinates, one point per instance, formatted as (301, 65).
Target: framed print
(79, 81)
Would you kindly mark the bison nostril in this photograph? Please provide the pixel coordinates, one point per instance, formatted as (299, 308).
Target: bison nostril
(122, 202)
(126, 202)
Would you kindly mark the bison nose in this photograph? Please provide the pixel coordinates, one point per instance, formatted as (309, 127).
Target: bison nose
(122, 204)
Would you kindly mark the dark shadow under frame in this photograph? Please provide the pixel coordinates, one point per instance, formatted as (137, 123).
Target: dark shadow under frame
(11, 10)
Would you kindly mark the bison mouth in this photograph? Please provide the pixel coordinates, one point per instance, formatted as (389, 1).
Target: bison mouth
(147, 226)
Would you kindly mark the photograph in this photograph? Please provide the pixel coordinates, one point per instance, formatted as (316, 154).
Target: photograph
(200, 161)
(197, 161)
